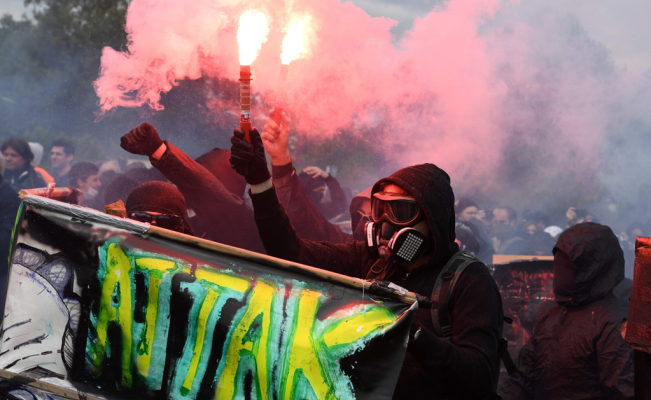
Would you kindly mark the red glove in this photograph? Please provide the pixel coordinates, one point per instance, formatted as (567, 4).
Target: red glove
(143, 139)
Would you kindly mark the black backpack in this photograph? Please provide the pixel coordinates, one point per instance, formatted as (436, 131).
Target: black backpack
(440, 310)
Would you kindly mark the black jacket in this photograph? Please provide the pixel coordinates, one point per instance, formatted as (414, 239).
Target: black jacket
(434, 368)
(577, 350)
(221, 216)
(23, 178)
(9, 203)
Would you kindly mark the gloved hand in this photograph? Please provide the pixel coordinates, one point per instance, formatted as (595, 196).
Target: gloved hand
(252, 165)
(143, 139)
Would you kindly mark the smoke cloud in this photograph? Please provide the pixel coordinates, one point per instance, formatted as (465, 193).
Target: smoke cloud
(513, 105)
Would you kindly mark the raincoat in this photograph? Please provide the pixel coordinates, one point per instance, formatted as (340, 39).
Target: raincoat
(577, 350)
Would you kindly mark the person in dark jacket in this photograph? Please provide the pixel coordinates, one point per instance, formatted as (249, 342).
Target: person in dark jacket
(315, 181)
(504, 236)
(466, 212)
(62, 155)
(577, 350)
(9, 203)
(434, 368)
(160, 204)
(223, 216)
(18, 172)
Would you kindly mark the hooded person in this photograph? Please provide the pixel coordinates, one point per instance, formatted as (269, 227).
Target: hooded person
(221, 215)
(577, 350)
(160, 204)
(417, 200)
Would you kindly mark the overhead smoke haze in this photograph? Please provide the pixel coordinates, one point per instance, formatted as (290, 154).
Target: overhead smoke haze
(517, 101)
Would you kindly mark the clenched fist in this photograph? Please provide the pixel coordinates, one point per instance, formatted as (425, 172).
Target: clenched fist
(142, 139)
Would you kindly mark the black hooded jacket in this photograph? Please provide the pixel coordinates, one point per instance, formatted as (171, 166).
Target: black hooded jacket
(23, 178)
(577, 350)
(434, 368)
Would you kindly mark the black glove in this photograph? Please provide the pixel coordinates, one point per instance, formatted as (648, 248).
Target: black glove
(143, 139)
(252, 165)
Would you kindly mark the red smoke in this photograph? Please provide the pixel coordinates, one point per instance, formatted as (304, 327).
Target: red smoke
(468, 84)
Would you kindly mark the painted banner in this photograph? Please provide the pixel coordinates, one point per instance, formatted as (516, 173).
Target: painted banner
(115, 308)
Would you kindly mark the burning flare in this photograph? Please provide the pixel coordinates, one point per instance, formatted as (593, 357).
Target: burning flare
(294, 42)
(251, 34)
(294, 47)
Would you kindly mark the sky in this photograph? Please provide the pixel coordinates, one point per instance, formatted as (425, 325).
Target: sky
(621, 25)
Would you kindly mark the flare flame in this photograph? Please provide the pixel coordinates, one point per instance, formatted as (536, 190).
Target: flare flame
(251, 34)
(294, 42)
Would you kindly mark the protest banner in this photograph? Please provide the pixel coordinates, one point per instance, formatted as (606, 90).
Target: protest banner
(526, 287)
(103, 307)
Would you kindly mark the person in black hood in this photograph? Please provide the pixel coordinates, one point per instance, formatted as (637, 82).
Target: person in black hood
(160, 204)
(577, 350)
(417, 200)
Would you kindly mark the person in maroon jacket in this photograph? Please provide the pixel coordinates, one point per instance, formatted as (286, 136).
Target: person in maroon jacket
(224, 216)
(305, 216)
(415, 201)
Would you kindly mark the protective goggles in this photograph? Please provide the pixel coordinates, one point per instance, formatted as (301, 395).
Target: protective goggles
(398, 209)
(171, 222)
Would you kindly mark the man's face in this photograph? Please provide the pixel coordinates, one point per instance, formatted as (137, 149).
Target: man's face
(468, 214)
(92, 182)
(13, 159)
(59, 158)
(501, 217)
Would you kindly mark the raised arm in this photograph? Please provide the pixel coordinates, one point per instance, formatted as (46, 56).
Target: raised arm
(277, 234)
(230, 219)
(305, 217)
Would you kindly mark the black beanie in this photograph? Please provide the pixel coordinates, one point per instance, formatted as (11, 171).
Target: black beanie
(158, 197)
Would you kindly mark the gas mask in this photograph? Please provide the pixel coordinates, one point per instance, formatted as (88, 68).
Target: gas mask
(391, 234)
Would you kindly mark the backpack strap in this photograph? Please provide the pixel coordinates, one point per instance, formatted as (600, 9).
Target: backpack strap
(442, 291)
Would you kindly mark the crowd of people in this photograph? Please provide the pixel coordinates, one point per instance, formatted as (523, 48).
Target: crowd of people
(407, 229)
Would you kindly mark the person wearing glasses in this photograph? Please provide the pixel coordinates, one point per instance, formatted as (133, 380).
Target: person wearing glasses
(409, 241)
(159, 204)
